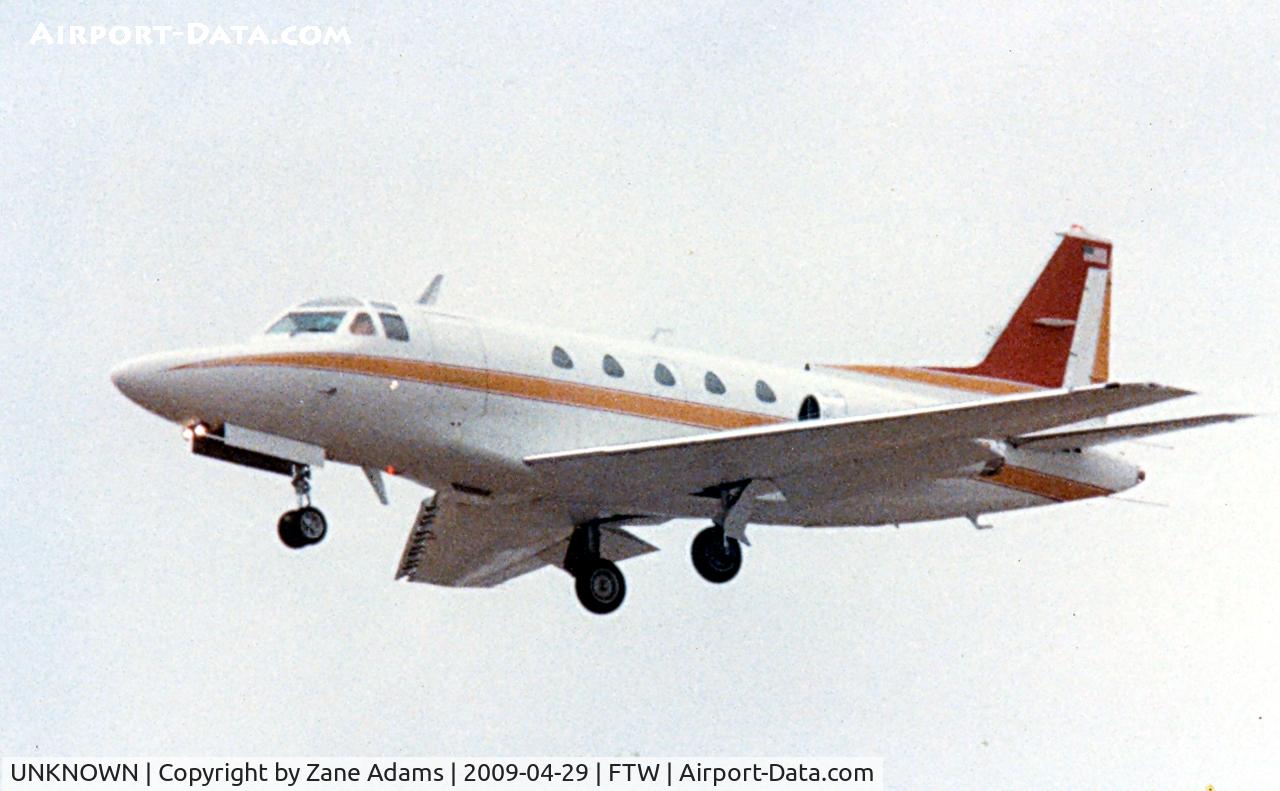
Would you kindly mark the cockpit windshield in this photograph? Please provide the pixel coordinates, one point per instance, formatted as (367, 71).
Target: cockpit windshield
(307, 321)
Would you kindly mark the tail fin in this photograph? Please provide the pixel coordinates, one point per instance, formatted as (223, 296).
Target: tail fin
(1058, 337)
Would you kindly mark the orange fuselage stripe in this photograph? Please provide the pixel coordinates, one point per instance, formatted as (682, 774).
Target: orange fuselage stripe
(536, 388)
(1043, 484)
(953, 381)
(599, 398)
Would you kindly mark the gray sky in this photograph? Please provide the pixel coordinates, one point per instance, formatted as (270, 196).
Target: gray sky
(805, 182)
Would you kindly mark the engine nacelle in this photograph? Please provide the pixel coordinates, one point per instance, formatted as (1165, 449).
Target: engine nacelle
(823, 405)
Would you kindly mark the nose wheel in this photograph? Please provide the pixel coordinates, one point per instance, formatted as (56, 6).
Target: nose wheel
(302, 527)
(305, 525)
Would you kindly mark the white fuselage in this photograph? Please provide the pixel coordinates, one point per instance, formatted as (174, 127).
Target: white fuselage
(464, 401)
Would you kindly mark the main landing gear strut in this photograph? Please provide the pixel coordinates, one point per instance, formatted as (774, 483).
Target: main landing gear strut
(717, 550)
(304, 525)
(598, 582)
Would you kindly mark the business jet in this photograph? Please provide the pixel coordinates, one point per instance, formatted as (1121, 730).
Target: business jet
(550, 448)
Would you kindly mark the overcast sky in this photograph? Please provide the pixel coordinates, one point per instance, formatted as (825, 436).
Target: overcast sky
(840, 182)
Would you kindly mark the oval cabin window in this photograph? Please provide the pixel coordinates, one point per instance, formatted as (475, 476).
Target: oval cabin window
(612, 367)
(764, 392)
(713, 383)
(663, 375)
(560, 358)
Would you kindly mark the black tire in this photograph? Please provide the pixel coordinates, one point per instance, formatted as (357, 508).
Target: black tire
(312, 526)
(716, 557)
(601, 586)
(287, 529)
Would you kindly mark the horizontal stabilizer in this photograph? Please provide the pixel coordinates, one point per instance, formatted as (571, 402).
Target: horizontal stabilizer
(1083, 438)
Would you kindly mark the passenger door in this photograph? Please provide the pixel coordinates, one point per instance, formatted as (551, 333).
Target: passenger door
(458, 351)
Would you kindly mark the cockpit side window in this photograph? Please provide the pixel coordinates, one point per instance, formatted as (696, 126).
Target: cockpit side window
(362, 325)
(307, 321)
(394, 326)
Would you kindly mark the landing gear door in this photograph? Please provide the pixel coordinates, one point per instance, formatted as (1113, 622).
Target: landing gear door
(458, 350)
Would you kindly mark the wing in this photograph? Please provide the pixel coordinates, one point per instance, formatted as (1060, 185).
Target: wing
(468, 542)
(806, 457)
(1083, 438)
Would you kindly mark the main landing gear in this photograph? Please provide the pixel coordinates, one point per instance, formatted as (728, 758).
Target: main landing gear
(304, 525)
(598, 582)
(717, 550)
(717, 557)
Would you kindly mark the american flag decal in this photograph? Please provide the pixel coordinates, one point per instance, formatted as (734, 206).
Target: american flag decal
(1095, 255)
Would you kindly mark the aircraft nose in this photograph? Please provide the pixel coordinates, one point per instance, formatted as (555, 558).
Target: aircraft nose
(175, 385)
(139, 380)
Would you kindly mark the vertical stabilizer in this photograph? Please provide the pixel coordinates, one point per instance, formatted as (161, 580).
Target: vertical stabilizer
(1067, 302)
(1059, 336)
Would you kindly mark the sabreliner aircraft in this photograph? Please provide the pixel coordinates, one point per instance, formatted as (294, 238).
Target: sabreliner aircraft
(546, 448)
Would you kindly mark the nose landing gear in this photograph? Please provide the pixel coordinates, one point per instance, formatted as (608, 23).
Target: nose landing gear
(304, 525)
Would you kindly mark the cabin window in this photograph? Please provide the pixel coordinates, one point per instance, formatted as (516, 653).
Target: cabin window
(362, 324)
(663, 375)
(764, 392)
(713, 383)
(612, 367)
(395, 327)
(810, 409)
(308, 321)
(560, 358)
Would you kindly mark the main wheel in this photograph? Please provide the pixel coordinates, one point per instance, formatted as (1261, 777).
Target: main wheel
(601, 586)
(716, 556)
(288, 530)
(312, 525)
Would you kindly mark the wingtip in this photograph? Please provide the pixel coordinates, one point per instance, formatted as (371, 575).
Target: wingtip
(1177, 392)
(1167, 391)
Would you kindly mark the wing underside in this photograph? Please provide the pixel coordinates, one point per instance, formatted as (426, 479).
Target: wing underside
(467, 542)
(464, 541)
(812, 461)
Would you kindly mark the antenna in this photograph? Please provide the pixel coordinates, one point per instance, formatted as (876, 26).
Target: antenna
(432, 293)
